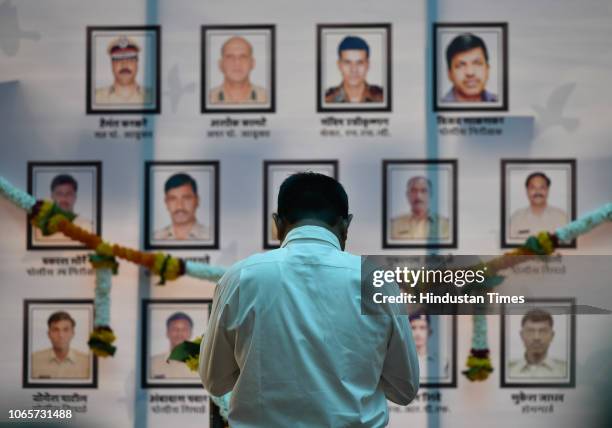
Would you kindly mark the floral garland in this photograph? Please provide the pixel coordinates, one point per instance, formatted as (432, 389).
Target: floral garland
(50, 219)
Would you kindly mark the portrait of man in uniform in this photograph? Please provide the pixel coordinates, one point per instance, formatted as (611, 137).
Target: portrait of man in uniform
(166, 324)
(538, 345)
(238, 68)
(123, 69)
(179, 328)
(537, 196)
(470, 66)
(419, 203)
(354, 67)
(182, 204)
(75, 188)
(123, 52)
(55, 337)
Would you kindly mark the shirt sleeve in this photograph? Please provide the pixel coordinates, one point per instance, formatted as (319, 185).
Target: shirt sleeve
(218, 368)
(400, 374)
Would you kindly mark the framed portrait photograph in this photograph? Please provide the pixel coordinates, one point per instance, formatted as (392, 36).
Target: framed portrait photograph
(537, 195)
(55, 350)
(538, 344)
(182, 205)
(419, 203)
(238, 69)
(470, 66)
(123, 70)
(354, 67)
(166, 324)
(435, 338)
(274, 173)
(75, 187)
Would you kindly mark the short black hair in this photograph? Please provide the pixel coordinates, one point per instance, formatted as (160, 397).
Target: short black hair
(537, 315)
(58, 180)
(60, 316)
(537, 174)
(353, 43)
(180, 179)
(179, 316)
(310, 195)
(465, 42)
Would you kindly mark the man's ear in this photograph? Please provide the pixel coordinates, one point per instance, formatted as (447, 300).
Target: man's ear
(280, 226)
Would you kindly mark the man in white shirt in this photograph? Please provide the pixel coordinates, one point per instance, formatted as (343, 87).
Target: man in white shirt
(538, 216)
(286, 334)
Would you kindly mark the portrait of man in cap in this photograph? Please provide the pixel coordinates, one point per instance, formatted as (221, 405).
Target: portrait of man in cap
(123, 70)
(123, 52)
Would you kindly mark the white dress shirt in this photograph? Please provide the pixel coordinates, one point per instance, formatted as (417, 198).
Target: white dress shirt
(287, 337)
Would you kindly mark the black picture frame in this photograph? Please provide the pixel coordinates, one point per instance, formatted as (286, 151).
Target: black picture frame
(149, 165)
(571, 383)
(26, 382)
(453, 163)
(97, 211)
(146, 382)
(503, 26)
(204, 87)
(453, 356)
(361, 107)
(156, 29)
(504, 182)
(266, 192)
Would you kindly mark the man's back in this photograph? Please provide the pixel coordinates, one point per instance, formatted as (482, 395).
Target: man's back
(287, 335)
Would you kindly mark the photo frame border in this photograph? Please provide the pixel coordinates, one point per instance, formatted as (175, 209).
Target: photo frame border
(30, 246)
(455, 189)
(388, 107)
(88, 85)
(572, 339)
(147, 201)
(144, 352)
(453, 382)
(266, 165)
(504, 162)
(25, 368)
(505, 83)
(203, 70)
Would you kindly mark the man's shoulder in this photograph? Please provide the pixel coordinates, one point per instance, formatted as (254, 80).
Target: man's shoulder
(375, 93)
(164, 233)
(404, 218)
(43, 354)
(521, 212)
(80, 357)
(489, 97)
(333, 94)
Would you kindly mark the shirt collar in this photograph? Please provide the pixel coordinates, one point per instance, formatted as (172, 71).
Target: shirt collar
(316, 233)
(70, 357)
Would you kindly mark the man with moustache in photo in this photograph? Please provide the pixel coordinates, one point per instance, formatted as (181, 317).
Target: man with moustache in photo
(420, 223)
(182, 201)
(123, 52)
(537, 334)
(467, 60)
(236, 64)
(64, 189)
(538, 216)
(179, 328)
(60, 361)
(354, 63)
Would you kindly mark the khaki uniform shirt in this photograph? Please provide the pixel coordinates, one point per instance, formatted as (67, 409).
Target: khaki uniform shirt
(409, 227)
(198, 232)
(524, 223)
(108, 95)
(83, 223)
(371, 94)
(161, 368)
(45, 365)
(257, 95)
(549, 368)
